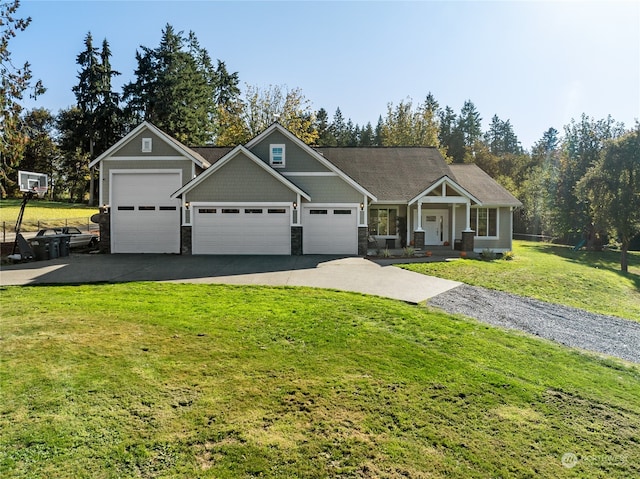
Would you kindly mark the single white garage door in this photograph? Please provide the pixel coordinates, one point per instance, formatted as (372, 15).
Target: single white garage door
(329, 230)
(144, 219)
(241, 230)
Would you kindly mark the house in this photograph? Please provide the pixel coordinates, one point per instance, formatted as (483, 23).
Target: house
(276, 195)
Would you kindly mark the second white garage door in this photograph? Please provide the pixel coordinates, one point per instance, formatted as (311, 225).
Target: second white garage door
(241, 230)
(329, 230)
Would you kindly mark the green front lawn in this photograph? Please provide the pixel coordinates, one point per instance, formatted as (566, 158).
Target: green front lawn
(184, 381)
(554, 273)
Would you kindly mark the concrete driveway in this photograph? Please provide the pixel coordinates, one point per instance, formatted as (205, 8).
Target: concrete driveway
(319, 271)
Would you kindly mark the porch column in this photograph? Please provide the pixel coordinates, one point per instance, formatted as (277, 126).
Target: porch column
(419, 228)
(453, 224)
(468, 221)
(364, 212)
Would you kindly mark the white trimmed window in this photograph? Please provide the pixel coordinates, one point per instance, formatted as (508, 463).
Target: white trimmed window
(147, 145)
(382, 221)
(277, 155)
(485, 221)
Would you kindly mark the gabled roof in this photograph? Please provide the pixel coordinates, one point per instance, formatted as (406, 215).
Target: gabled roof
(175, 144)
(229, 157)
(390, 173)
(449, 182)
(480, 184)
(358, 186)
(212, 153)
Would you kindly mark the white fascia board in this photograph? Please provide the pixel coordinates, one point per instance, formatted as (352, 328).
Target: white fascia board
(451, 183)
(175, 144)
(226, 159)
(323, 161)
(206, 173)
(119, 144)
(388, 202)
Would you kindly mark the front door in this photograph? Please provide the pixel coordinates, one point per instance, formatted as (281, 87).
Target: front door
(435, 225)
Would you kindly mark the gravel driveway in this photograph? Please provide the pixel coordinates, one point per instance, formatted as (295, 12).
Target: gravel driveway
(569, 326)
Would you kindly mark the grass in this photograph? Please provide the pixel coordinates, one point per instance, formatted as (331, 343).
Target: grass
(45, 213)
(588, 280)
(182, 381)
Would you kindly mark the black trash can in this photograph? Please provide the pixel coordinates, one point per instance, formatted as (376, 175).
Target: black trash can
(65, 245)
(54, 246)
(40, 247)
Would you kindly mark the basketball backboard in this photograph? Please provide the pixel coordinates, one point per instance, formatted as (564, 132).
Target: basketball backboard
(32, 182)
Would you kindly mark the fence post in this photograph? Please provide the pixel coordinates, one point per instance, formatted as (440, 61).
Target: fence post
(4, 232)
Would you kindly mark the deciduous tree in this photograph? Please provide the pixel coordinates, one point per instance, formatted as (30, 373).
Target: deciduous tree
(14, 83)
(611, 189)
(259, 108)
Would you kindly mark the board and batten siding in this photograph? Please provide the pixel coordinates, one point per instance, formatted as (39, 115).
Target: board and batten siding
(296, 159)
(185, 165)
(241, 180)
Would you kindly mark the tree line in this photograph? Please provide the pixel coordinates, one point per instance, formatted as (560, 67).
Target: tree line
(571, 183)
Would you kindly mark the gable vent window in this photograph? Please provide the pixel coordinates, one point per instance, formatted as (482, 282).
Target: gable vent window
(147, 145)
(277, 156)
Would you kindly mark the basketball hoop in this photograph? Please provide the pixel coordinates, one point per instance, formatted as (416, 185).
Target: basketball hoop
(40, 191)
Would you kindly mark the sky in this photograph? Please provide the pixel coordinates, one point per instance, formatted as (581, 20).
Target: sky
(537, 64)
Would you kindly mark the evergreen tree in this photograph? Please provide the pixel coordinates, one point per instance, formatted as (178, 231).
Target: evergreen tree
(446, 132)
(352, 133)
(325, 133)
(226, 86)
(539, 185)
(338, 127)
(501, 138)
(367, 137)
(99, 122)
(377, 138)
(175, 88)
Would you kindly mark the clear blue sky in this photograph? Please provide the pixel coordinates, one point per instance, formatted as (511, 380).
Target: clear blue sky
(538, 64)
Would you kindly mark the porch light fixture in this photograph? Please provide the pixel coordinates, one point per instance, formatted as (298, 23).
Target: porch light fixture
(295, 205)
(105, 208)
(361, 206)
(186, 205)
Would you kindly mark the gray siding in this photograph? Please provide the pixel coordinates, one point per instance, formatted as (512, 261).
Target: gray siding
(504, 233)
(114, 164)
(327, 189)
(241, 180)
(296, 159)
(133, 147)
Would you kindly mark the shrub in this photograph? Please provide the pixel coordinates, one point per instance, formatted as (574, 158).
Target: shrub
(408, 251)
(386, 253)
(488, 254)
(508, 255)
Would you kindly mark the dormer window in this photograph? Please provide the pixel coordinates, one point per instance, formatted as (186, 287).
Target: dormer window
(277, 156)
(147, 145)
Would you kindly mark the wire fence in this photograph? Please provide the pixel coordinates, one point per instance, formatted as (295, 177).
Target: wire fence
(83, 224)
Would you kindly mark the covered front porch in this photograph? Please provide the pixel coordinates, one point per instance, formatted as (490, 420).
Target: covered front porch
(440, 216)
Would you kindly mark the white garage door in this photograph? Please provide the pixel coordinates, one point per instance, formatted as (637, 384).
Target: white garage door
(329, 230)
(241, 230)
(144, 219)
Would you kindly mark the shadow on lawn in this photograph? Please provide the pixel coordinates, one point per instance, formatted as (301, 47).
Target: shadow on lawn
(604, 260)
